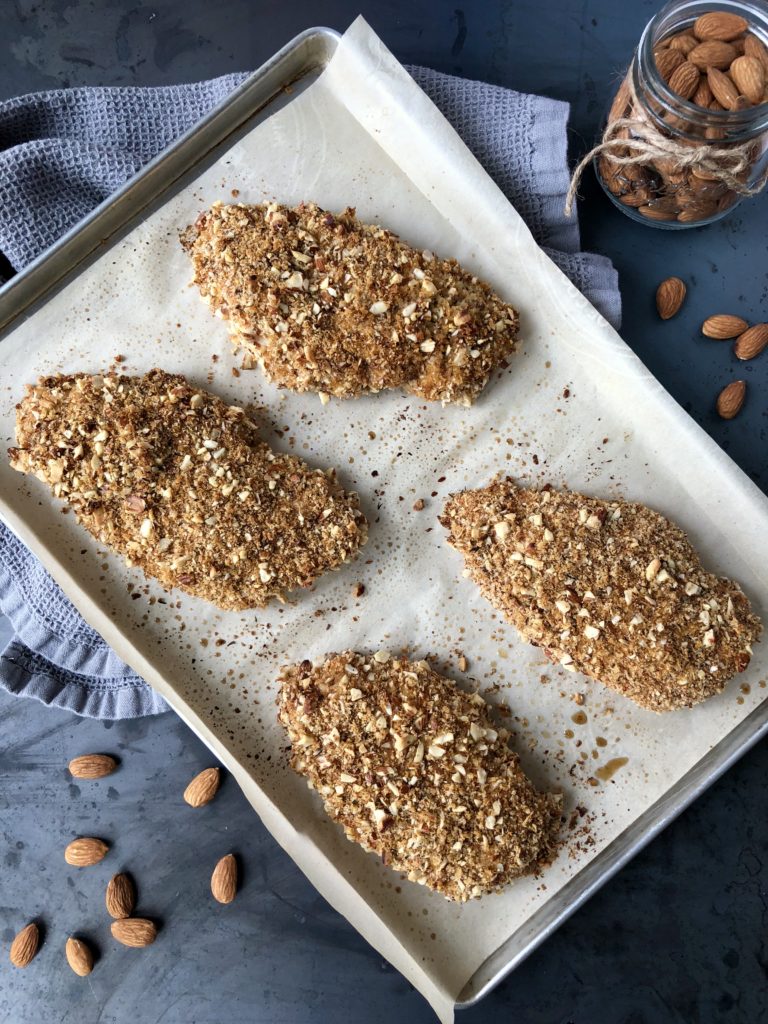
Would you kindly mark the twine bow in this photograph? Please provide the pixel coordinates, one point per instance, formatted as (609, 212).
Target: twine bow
(649, 145)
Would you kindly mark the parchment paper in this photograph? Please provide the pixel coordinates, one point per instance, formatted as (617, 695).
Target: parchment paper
(576, 408)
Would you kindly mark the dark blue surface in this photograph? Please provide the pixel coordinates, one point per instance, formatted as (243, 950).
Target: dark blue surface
(681, 936)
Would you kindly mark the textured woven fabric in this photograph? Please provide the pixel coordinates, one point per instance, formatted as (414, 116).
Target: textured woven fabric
(64, 152)
(521, 141)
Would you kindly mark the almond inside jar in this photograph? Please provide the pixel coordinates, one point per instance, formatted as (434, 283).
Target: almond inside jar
(701, 83)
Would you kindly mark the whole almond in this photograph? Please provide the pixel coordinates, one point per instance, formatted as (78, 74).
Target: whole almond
(752, 342)
(754, 47)
(723, 326)
(202, 789)
(707, 188)
(136, 932)
(635, 173)
(120, 896)
(749, 75)
(731, 399)
(669, 297)
(719, 25)
(685, 79)
(738, 44)
(723, 89)
(713, 54)
(655, 213)
(79, 956)
(703, 95)
(639, 197)
(665, 204)
(85, 851)
(703, 175)
(683, 41)
(224, 879)
(667, 61)
(25, 946)
(92, 766)
(686, 197)
(698, 211)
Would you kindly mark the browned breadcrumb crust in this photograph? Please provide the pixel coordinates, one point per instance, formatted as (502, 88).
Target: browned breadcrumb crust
(327, 304)
(610, 588)
(180, 483)
(415, 771)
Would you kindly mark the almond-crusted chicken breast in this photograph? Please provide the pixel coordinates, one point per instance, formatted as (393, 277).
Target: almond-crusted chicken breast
(609, 588)
(414, 770)
(324, 303)
(181, 484)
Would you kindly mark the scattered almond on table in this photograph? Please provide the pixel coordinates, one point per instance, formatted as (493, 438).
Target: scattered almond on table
(224, 880)
(203, 788)
(135, 932)
(731, 399)
(85, 852)
(79, 956)
(92, 766)
(24, 947)
(723, 326)
(120, 896)
(752, 342)
(670, 296)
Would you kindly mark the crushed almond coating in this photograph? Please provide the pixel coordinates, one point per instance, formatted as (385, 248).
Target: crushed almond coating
(180, 483)
(414, 770)
(324, 303)
(609, 588)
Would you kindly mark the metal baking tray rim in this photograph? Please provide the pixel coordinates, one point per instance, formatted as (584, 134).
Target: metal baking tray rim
(614, 857)
(311, 50)
(308, 51)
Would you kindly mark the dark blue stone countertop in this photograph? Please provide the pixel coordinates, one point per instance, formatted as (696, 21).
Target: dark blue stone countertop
(681, 935)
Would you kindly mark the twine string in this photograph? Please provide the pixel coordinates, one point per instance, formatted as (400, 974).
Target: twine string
(650, 145)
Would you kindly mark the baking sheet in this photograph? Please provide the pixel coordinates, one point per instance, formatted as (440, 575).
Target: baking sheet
(574, 408)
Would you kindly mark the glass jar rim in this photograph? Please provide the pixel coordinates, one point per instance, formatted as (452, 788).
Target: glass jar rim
(741, 124)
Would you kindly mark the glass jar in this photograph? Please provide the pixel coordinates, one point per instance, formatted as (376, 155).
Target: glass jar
(693, 124)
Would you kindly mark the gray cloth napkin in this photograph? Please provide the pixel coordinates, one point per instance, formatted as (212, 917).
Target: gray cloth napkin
(63, 152)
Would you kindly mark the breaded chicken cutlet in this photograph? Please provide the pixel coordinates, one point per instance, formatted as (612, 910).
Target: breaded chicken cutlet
(414, 770)
(324, 303)
(609, 588)
(181, 484)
